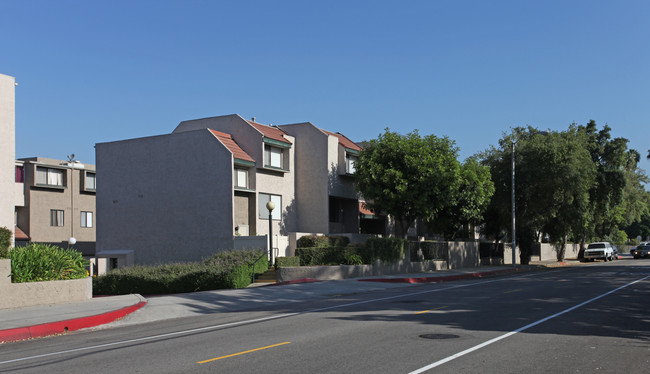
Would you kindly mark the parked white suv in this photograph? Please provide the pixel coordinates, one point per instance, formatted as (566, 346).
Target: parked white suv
(600, 250)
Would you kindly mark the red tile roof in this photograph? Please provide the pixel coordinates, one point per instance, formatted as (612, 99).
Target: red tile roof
(364, 210)
(230, 143)
(20, 234)
(347, 143)
(270, 132)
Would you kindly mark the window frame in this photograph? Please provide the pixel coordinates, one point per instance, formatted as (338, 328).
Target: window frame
(54, 218)
(269, 156)
(244, 171)
(20, 174)
(94, 176)
(83, 219)
(263, 213)
(48, 172)
(350, 157)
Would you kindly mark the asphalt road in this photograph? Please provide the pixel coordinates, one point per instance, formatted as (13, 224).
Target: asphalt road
(591, 318)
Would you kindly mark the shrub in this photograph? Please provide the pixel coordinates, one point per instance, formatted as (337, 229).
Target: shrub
(43, 262)
(353, 259)
(284, 262)
(232, 269)
(351, 255)
(312, 241)
(386, 249)
(5, 241)
(338, 241)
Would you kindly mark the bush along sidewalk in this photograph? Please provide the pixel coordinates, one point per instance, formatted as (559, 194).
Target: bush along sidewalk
(224, 270)
(43, 262)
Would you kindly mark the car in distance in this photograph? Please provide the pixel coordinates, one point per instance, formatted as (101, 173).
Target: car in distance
(599, 250)
(641, 251)
(615, 255)
(634, 248)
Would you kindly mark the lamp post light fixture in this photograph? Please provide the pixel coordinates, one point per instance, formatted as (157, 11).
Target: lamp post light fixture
(270, 205)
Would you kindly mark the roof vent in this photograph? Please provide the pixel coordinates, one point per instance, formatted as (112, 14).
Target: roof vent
(253, 119)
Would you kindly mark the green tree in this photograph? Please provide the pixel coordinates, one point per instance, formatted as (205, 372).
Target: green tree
(408, 176)
(570, 174)
(474, 193)
(636, 200)
(605, 197)
(553, 177)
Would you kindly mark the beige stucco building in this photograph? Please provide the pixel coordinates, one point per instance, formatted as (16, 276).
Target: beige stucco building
(59, 202)
(185, 195)
(10, 194)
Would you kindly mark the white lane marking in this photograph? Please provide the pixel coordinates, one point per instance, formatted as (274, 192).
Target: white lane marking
(215, 327)
(459, 354)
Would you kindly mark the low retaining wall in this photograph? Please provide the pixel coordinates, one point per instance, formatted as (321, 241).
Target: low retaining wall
(355, 271)
(17, 295)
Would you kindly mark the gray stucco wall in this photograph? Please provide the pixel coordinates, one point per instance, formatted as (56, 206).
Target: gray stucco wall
(7, 150)
(264, 180)
(168, 197)
(311, 150)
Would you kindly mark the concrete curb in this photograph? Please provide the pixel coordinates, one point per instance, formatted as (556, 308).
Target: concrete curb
(445, 278)
(60, 327)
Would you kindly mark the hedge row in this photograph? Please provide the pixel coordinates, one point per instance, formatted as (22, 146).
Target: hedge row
(333, 256)
(232, 269)
(319, 241)
(387, 250)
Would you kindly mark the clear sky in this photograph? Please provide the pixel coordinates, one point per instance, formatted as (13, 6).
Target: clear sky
(99, 71)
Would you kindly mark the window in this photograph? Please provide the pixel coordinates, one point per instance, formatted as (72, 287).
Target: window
(350, 161)
(265, 198)
(87, 219)
(241, 178)
(90, 183)
(273, 156)
(56, 217)
(49, 177)
(20, 174)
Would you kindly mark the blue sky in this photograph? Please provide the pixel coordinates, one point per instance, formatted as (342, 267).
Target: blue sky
(92, 72)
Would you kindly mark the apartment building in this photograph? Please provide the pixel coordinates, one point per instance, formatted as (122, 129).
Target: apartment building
(58, 203)
(328, 202)
(10, 194)
(185, 195)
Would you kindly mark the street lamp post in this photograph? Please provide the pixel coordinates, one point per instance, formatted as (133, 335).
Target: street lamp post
(514, 241)
(270, 205)
(71, 162)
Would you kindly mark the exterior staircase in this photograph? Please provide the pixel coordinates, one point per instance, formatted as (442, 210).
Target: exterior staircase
(267, 277)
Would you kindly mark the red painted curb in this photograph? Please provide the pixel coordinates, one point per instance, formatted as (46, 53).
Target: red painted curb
(439, 279)
(53, 328)
(295, 281)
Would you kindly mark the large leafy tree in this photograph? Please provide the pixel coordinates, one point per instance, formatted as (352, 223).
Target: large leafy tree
(571, 175)
(474, 193)
(553, 177)
(636, 200)
(408, 176)
(609, 157)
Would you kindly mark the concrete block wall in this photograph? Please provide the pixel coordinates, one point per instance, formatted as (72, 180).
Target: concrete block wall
(18, 295)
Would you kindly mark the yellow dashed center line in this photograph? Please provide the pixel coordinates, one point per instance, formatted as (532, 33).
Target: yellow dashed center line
(424, 311)
(241, 353)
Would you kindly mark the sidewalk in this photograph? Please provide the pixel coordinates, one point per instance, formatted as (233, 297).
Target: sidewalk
(111, 311)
